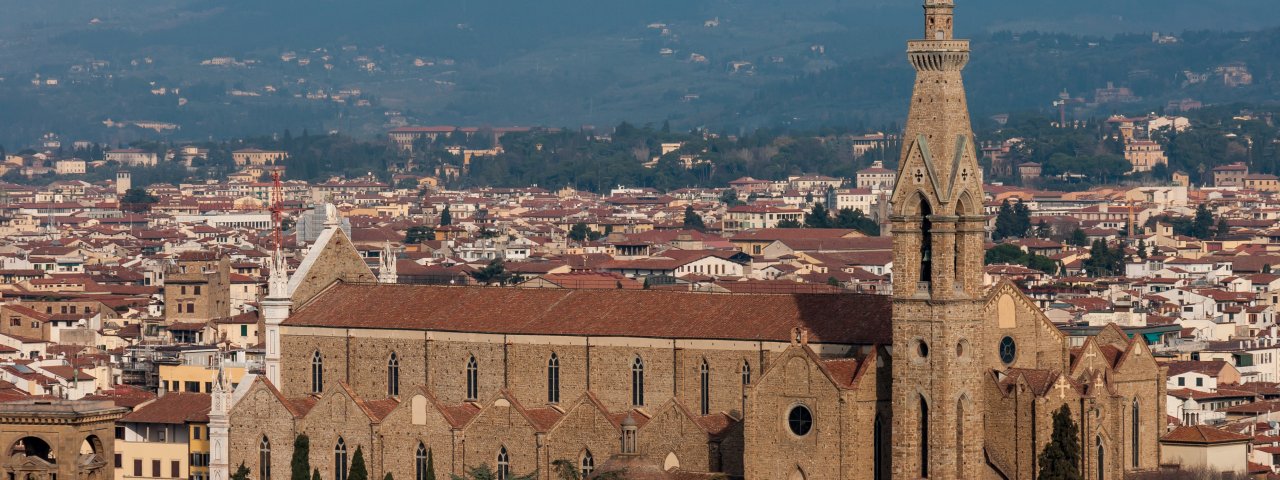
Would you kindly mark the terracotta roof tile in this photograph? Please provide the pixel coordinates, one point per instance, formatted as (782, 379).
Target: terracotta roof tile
(844, 318)
(1202, 434)
(173, 408)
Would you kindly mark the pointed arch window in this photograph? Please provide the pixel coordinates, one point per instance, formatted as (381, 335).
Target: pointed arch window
(473, 379)
(637, 382)
(924, 438)
(553, 379)
(393, 375)
(704, 379)
(746, 373)
(264, 459)
(420, 462)
(1136, 429)
(587, 465)
(878, 450)
(340, 460)
(960, 457)
(504, 464)
(1102, 469)
(926, 241)
(317, 372)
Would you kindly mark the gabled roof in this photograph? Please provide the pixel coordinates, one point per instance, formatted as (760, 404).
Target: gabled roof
(842, 318)
(1203, 435)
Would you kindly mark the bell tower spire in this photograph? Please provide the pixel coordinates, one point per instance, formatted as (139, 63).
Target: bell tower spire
(938, 234)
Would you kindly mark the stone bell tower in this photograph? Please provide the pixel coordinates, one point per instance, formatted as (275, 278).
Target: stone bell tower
(938, 239)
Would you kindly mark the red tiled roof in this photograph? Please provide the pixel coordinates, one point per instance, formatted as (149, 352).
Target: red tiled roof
(844, 318)
(173, 408)
(1202, 434)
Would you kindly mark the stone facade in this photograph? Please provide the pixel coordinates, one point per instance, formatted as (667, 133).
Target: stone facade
(948, 379)
(52, 439)
(197, 288)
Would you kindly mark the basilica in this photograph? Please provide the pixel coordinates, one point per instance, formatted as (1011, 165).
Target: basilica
(948, 378)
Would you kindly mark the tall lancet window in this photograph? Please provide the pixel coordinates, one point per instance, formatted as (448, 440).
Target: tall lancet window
(924, 438)
(926, 242)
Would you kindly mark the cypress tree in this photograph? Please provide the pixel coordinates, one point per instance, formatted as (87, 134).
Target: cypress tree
(1060, 459)
(446, 217)
(1005, 221)
(431, 466)
(301, 463)
(315, 475)
(242, 473)
(358, 471)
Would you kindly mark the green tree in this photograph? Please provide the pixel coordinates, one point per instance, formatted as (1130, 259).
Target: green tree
(855, 219)
(1013, 220)
(1142, 249)
(819, 217)
(242, 473)
(1202, 224)
(1078, 237)
(730, 198)
(431, 466)
(494, 272)
(1060, 459)
(358, 470)
(137, 200)
(418, 234)
(1223, 229)
(300, 465)
(446, 217)
(387, 476)
(1042, 229)
(579, 232)
(1022, 220)
(1004, 222)
(789, 223)
(1104, 260)
(315, 474)
(693, 221)
(1004, 253)
(485, 472)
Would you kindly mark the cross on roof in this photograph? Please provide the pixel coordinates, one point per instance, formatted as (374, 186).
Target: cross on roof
(1062, 387)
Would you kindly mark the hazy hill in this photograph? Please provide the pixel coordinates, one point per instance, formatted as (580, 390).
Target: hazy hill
(570, 62)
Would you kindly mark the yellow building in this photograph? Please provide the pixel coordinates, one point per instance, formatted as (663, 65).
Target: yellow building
(166, 438)
(196, 378)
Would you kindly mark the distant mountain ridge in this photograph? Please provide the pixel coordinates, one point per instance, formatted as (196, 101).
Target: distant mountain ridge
(715, 63)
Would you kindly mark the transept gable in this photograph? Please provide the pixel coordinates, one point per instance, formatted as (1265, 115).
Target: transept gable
(587, 405)
(795, 365)
(1137, 358)
(672, 415)
(457, 416)
(502, 404)
(331, 258)
(263, 396)
(418, 408)
(1093, 357)
(1004, 295)
(342, 402)
(1112, 335)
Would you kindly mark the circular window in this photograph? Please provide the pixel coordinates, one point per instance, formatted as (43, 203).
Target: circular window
(922, 348)
(800, 420)
(1008, 350)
